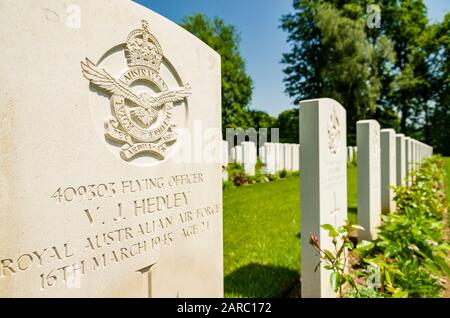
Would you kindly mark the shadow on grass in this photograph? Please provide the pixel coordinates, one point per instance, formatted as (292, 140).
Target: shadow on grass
(260, 281)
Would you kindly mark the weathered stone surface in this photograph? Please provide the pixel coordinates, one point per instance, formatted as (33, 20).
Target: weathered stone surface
(400, 159)
(369, 177)
(287, 157)
(249, 157)
(323, 185)
(296, 157)
(388, 169)
(96, 199)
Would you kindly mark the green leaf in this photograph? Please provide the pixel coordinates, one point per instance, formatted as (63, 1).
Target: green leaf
(357, 227)
(329, 254)
(331, 230)
(342, 229)
(443, 265)
(335, 280)
(400, 294)
(364, 246)
(388, 278)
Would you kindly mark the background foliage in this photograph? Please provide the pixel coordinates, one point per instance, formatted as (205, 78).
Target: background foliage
(397, 73)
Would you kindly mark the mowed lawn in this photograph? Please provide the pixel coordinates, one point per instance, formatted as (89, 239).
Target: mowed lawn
(262, 235)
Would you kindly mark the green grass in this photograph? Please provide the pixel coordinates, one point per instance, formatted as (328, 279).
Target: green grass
(352, 192)
(262, 236)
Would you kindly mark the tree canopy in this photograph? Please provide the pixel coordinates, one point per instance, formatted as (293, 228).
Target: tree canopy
(237, 85)
(397, 73)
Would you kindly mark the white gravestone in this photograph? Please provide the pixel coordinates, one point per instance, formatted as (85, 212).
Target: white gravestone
(279, 157)
(417, 157)
(295, 157)
(287, 157)
(94, 201)
(238, 154)
(270, 158)
(249, 157)
(400, 159)
(323, 185)
(408, 162)
(420, 152)
(388, 169)
(261, 154)
(369, 177)
(233, 154)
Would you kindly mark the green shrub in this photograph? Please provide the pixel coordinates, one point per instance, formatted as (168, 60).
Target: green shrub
(235, 168)
(228, 184)
(283, 174)
(409, 256)
(410, 249)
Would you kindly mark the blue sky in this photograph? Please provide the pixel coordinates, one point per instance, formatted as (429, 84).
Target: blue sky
(262, 41)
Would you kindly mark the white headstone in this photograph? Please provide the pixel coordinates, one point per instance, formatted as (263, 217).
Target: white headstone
(280, 157)
(323, 185)
(287, 157)
(421, 146)
(238, 154)
(388, 169)
(261, 154)
(417, 154)
(369, 177)
(295, 157)
(249, 157)
(94, 201)
(400, 159)
(408, 159)
(270, 158)
(233, 154)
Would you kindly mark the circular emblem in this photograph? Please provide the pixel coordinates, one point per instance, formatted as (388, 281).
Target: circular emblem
(141, 122)
(334, 133)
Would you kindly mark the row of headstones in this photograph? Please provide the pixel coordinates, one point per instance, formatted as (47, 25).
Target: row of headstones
(384, 159)
(274, 157)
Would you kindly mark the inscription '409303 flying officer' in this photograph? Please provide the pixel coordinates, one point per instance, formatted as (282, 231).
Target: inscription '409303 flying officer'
(135, 117)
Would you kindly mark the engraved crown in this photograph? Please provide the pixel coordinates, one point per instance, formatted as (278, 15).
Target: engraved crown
(143, 49)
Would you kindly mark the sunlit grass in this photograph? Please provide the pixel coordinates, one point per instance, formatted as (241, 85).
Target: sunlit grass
(262, 236)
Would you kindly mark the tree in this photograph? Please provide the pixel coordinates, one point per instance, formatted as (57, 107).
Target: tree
(236, 83)
(261, 119)
(440, 115)
(407, 86)
(287, 122)
(332, 56)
